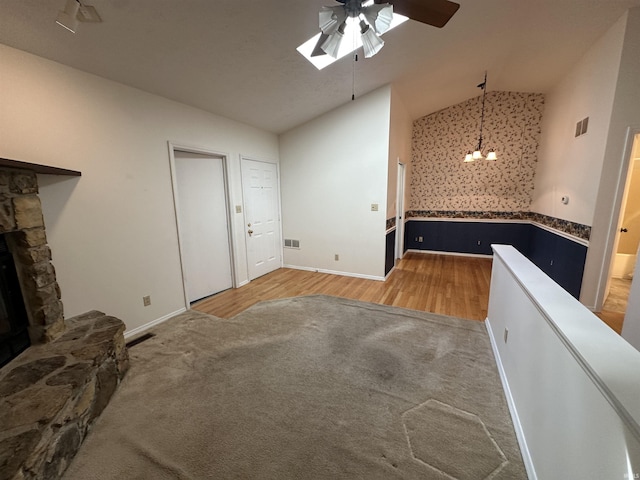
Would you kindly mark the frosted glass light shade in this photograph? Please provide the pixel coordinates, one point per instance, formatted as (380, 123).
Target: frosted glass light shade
(492, 155)
(379, 16)
(68, 18)
(330, 19)
(371, 42)
(477, 155)
(332, 45)
(468, 157)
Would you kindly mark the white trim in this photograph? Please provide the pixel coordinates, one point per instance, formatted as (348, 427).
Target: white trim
(522, 441)
(454, 254)
(401, 194)
(335, 272)
(243, 283)
(606, 259)
(390, 230)
(174, 190)
(467, 219)
(153, 323)
(560, 233)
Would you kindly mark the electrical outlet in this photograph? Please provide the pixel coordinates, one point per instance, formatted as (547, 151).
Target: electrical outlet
(337, 257)
(146, 300)
(506, 334)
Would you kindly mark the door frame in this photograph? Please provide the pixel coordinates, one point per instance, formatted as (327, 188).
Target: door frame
(400, 197)
(612, 236)
(174, 190)
(244, 209)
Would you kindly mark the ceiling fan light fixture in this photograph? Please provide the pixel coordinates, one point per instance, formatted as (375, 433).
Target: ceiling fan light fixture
(330, 19)
(68, 18)
(332, 45)
(371, 42)
(379, 16)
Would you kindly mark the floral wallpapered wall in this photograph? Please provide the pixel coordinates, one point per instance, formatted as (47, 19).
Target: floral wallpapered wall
(441, 181)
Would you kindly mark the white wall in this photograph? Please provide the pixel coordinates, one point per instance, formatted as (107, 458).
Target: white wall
(631, 324)
(571, 382)
(604, 86)
(625, 118)
(112, 231)
(400, 130)
(332, 169)
(568, 165)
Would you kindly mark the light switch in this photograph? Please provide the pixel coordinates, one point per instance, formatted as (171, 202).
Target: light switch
(238, 208)
(374, 207)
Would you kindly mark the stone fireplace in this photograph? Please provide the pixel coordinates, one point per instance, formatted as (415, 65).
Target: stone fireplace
(51, 392)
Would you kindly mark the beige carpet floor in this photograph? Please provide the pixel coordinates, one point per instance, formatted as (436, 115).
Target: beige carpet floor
(307, 388)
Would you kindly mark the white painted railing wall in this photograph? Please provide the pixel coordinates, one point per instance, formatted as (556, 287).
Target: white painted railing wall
(573, 385)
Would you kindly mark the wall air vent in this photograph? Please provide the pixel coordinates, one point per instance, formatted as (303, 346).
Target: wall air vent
(581, 126)
(289, 243)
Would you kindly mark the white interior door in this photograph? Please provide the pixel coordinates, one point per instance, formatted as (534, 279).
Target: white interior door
(261, 203)
(203, 224)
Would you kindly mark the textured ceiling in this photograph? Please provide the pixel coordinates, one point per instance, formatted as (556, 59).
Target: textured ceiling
(238, 58)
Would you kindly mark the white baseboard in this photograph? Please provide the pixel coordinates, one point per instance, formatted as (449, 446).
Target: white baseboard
(456, 254)
(243, 283)
(524, 450)
(153, 323)
(335, 272)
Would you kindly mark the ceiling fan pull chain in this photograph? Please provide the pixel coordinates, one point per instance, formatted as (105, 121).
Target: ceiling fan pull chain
(353, 77)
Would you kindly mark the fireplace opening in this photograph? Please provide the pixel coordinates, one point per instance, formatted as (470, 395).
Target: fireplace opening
(14, 323)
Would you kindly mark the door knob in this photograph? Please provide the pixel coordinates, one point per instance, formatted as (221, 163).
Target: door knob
(624, 230)
(250, 232)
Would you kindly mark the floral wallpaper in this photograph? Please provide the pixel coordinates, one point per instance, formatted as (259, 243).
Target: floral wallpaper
(440, 180)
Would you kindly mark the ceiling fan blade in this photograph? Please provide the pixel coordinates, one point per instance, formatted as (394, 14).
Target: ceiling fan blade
(317, 51)
(431, 12)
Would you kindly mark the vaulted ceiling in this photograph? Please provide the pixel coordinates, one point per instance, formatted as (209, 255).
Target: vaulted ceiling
(238, 58)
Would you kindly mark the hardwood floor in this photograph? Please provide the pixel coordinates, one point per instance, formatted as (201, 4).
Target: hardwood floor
(444, 284)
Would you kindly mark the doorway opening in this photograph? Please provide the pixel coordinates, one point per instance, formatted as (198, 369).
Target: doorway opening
(203, 219)
(400, 211)
(625, 251)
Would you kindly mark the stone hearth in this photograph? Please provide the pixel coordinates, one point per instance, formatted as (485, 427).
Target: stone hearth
(52, 392)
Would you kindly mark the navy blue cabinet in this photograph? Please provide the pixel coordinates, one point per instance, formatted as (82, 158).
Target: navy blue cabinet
(560, 258)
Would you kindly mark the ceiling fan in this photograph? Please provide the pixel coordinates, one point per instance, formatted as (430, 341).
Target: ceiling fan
(375, 17)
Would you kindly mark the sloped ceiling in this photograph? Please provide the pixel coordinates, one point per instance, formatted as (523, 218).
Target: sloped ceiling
(238, 58)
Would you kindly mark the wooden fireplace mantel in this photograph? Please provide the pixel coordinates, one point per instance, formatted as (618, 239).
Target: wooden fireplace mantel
(37, 168)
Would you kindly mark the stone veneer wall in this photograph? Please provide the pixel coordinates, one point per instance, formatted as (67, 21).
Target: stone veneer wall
(440, 181)
(52, 392)
(21, 219)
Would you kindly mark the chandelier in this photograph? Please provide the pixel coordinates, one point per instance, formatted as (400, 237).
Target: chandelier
(477, 153)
